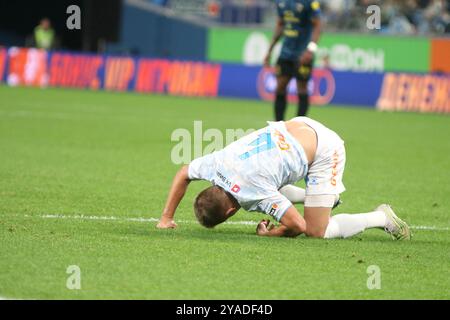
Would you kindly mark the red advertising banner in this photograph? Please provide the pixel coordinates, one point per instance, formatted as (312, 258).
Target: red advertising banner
(415, 92)
(119, 73)
(75, 71)
(27, 67)
(440, 55)
(389, 91)
(178, 78)
(3, 56)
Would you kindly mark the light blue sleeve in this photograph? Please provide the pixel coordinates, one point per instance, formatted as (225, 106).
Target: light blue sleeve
(275, 206)
(202, 168)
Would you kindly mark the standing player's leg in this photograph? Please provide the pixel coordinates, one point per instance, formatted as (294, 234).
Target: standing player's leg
(303, 75)
(283, 78)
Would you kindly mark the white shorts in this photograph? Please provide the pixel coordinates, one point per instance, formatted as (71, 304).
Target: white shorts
(325, 173)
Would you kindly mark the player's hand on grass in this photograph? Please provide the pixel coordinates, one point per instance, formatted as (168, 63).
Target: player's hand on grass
(306, 57)
(264, 227)
(166, 223)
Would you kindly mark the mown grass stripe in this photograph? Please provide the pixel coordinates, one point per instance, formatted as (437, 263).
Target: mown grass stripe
(140, 219)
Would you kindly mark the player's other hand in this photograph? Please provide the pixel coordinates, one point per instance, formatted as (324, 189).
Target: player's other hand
(263, 227)
(306, 57)
(267, 59)
(166, 223)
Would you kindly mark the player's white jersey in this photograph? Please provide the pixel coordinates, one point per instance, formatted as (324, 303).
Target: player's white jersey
(255, 167)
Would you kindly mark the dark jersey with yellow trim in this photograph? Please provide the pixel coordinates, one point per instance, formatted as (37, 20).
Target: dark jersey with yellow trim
(297, 16)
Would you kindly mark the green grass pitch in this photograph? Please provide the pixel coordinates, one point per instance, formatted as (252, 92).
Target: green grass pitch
(68, 156)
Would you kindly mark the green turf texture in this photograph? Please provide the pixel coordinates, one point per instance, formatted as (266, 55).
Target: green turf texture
(69, 152)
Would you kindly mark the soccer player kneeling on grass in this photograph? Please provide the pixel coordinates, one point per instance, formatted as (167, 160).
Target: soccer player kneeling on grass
(257, 173)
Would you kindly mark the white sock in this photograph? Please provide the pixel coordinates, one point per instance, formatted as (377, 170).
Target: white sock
(346, 225)
(293, 194)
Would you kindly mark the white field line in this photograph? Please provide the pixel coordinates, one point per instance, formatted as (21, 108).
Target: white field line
(430, 228)
(251, 223)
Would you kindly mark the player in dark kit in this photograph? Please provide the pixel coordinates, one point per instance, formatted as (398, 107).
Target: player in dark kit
(299, 23)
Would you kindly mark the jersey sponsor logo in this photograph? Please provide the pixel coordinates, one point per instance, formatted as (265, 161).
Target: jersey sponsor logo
(223, 179)
(273, 209)
(232, 186)
(281, 142)
(312, 181)
(289, 16)
(334, 171)
(291, 33)
(236, 188)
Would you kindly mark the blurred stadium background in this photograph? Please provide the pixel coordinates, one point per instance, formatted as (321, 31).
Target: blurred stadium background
(157, 46)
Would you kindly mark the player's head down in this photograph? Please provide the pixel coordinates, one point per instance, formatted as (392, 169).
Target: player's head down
(213, 206)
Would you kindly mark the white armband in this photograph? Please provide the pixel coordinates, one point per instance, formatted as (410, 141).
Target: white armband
(312, 46)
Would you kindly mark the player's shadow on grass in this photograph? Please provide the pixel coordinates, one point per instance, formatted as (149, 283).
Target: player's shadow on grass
(228, 236)
(220, 233)
(226, 233)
